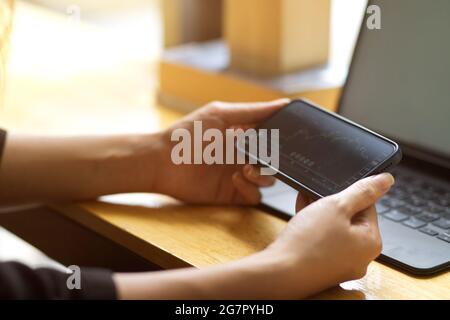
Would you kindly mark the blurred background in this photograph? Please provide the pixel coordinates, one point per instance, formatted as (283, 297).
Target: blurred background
(79, 66)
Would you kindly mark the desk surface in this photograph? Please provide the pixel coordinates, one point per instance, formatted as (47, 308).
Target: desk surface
(157, 228)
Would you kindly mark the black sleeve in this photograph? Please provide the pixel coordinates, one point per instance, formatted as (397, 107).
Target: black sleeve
(18, 281)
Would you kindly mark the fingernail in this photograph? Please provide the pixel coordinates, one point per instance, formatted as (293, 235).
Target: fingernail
(384, 180)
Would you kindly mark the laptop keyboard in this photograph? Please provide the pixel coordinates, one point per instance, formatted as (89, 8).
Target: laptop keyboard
(423, 206)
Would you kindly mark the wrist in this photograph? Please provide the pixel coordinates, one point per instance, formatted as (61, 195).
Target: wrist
(145, 161)
(121, 164)
(294, 274)
(272, 273)
(260, 276)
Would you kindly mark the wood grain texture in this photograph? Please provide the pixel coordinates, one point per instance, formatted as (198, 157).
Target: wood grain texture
(174, 235)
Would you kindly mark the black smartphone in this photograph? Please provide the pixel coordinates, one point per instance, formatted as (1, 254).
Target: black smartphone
(322, 153)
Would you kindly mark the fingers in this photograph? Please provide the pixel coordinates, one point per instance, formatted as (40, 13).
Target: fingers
(302, 201)
(248, 182)
(253, 174)
(248, 191)
(245, 113)
(363, 193)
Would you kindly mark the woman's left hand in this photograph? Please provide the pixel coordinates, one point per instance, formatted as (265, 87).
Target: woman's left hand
(214, 183)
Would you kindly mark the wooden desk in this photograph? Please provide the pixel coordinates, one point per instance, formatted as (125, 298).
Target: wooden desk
(154, 227)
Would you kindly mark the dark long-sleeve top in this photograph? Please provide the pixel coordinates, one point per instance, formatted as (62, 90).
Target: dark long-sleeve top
(18, 281)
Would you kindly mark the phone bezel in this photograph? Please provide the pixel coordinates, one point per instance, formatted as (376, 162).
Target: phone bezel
(388, 163)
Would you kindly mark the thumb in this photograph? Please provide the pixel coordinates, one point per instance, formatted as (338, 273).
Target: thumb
(364, 193)
(248, 113)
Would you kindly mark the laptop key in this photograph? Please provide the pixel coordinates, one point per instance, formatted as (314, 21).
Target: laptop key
(398, 194)
(414, 223)
(381, 208)
(442, 223)
(410, 210)
(396, 215)
(411, 189)
(428, 216)
(434, 208)
(445, 215)
(431, 196)
(427, 195)
(428, 231)
(417, 202)
(392, 203)
(444, 237)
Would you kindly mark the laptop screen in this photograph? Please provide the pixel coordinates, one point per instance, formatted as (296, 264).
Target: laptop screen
(399, 80)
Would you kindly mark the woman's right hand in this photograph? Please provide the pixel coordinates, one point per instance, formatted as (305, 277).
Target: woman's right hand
(331, 240)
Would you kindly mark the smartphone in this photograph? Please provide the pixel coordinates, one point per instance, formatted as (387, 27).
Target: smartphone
(322, 153)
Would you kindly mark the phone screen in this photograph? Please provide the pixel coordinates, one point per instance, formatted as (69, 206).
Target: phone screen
(323, 152)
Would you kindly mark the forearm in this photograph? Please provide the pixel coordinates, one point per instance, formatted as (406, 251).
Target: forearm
(242, 279)
(36, 168)
(261, 276)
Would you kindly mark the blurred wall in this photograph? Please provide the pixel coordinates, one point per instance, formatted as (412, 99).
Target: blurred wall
(94, 7)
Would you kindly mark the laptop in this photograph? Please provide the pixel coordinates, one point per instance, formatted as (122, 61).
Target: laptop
(399, 85)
